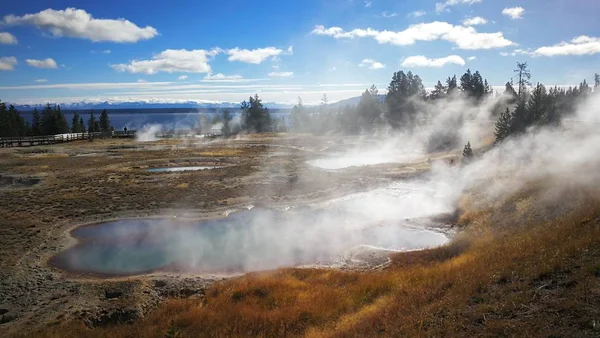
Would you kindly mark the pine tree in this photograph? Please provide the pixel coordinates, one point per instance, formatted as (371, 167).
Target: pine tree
(82, 125)
(596, 81)
(226, 129)
(36, 123)
(503, 126)
(439, 91)
(524, 76)
(452, 85)
(105, 126)
(256, 116)
(468, 152)
(76, 126)
(537, 107)
(93, 124)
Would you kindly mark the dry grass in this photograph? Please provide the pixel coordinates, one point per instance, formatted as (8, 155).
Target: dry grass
(520, 276)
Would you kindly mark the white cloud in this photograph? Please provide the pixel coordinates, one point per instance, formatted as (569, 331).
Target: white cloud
(170, 61)
(8, 63)
(472, 58)
(475, 21)
(182, 77)
(422, 61)
(40, 80)
(142, 81)
(463, 37)
(7, 39)
(254, 56)
(371, 64)
(77, 23)
(289, 50)
(514, 12)
(388, 15)
(45, 63)
(442, 6)
(281, 74)
(417, 14)
(581, 45)
(221, 77)
(368, 3)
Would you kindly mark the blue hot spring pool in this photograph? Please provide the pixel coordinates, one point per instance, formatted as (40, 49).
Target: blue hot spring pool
(243, 241)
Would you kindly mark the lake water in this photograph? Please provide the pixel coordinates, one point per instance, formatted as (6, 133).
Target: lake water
(170, 119)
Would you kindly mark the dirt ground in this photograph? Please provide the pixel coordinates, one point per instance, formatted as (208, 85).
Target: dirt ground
(46, 191)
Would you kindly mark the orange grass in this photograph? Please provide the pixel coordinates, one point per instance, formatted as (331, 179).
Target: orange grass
(521, 276)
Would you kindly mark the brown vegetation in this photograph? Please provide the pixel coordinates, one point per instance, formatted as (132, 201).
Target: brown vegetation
(510, 273)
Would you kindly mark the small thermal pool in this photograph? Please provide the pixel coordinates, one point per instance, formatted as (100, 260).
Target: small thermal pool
(179, 169)
(244, 241)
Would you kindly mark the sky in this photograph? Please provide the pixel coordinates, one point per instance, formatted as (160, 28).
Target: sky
(227, 50)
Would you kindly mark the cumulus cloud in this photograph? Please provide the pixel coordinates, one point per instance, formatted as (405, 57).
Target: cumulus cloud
(443, 6)
(422, 61)
(417, 14)
(7, 39)
(172, 61)
(8, 63)
(221, 77)
(463, 37)
(77, 23)
(45, 63)
(182, 77)
(581, 45)
(371, 64)
(255, 56)
(40, 80)
(514, 12)
(281, 74)
(475, 21)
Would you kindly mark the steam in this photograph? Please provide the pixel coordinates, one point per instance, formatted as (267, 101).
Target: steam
(148, 133)
(393, 216)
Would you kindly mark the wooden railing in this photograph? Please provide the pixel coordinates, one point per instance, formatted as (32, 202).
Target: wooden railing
(28, 141)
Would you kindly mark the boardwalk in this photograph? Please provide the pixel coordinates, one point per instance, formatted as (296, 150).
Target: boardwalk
(28, 141)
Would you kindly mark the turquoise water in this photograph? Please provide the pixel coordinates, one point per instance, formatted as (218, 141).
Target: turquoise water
(244, 241)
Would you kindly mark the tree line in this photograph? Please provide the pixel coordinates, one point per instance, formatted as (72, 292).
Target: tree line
(519, 108)
(49, 121)
(538, 106)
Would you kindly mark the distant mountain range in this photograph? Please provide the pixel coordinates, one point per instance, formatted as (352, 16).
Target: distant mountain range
(85, 105)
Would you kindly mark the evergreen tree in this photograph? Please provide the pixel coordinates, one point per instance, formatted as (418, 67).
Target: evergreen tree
(510, 92)
(596, 81)
(12, 124)
(451, 85)
(519, 118)
(537, 107)
(369, 109)
(36, 123)
(82, 125)
(93, 124)
(76, 126)
(104, 122)
(439, 91)
(256, 116)
(524, 75)
(402, 91)
(226, 129)
(503, 126)
(300, 118)
(468, 152)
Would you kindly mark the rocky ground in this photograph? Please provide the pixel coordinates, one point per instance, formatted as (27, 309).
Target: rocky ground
(47, 191)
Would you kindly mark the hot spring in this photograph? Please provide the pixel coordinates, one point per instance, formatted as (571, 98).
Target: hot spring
(257, 239)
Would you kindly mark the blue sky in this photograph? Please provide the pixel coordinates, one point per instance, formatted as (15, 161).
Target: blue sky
(227, 50)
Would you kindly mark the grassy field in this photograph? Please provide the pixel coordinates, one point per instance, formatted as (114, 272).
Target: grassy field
(509, 273)
(525, 265)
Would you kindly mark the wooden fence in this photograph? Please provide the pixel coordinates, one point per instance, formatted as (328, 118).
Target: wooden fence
(28, 141)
